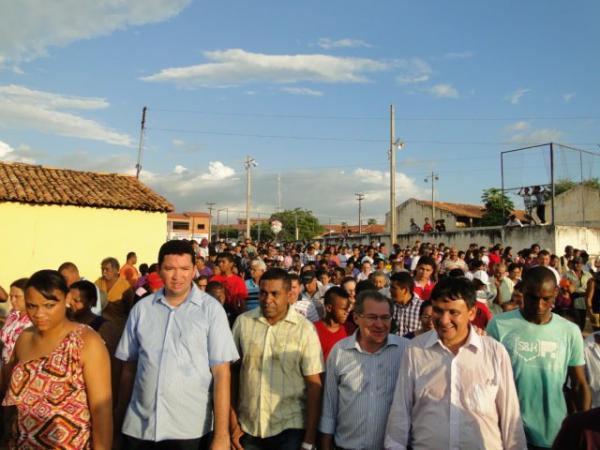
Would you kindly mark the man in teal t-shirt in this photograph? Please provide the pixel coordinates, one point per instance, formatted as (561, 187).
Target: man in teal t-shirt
(543, 349)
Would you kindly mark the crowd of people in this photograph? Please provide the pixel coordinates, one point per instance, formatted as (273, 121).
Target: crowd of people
(283, 346)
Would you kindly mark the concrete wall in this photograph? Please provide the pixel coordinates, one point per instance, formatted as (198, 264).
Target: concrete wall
(579, 206)
(552, 238)
(413, 209)
(35, 237)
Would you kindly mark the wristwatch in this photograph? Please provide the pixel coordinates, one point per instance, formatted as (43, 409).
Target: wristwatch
(307, 446)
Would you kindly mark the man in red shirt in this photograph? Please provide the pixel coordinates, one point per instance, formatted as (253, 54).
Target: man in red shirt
(427, 228)
(423, 273)
(333, 327)
(235, 287)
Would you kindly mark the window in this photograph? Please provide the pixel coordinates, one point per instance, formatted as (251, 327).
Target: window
(180, 226)
(200, 226)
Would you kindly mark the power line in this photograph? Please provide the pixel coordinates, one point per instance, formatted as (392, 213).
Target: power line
(401, 118)
(340, 139)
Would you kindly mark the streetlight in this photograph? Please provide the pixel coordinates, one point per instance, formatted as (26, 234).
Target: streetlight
(249, 163)
(433, 177)
(394, 144)
(210, 208)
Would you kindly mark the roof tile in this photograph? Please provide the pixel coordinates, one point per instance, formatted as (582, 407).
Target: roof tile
(26, 183)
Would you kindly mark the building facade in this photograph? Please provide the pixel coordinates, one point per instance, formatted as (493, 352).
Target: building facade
(50, 216)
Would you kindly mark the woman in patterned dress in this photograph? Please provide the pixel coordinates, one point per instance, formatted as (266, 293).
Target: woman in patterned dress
(16, 321)
(60, 380)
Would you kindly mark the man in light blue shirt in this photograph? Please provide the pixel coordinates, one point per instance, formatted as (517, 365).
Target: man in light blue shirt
(176, 347)
(360, 378)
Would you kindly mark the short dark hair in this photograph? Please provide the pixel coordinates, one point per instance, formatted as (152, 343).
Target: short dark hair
(374, 295)
(426, 260)
(21, 283)
(537, 276)
(114, 262)
(87, 292)
(544, 253)
(68, 266)
(425, 304)
(277, 274)
(46, 281)
(334, 292)
(130, 255)
(214, 286)
(457, 272)
(403, 280)
(176, 247)
(513, 266)
(365, 285)
(225, 255)
(459, 288)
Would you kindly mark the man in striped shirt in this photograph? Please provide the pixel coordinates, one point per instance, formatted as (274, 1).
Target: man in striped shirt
(406, 305)
(360, 377)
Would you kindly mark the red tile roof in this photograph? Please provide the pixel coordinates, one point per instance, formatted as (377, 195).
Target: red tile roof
(26, 183)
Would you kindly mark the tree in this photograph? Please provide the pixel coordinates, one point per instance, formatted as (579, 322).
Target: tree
(308, 225)
(564, 184)
(498, 206)
(372, 221)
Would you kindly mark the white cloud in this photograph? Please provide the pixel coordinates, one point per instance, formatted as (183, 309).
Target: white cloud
(459, 55)
(328, 43)
(217, 171)
(534, 137)
(179, 169)
(329, 193)
(413, 71)
(443, 91)
(7, 153)
(25, 108)
(518, 126)
(237, 66)
(178, 142)
(515, 97)
(30, 27)
(302, 91)
(568, 97)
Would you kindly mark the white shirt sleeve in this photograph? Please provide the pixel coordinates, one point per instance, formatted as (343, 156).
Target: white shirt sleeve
(397, 431)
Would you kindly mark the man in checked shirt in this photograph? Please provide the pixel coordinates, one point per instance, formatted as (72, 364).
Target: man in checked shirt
(405, 317)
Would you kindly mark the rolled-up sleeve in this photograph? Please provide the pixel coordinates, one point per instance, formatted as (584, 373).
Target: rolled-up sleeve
(398, 425)
(128, 347)
(221, 346)
(330, 396)
(312, 355)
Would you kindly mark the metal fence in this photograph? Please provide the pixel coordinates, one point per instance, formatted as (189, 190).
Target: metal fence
(553, 183)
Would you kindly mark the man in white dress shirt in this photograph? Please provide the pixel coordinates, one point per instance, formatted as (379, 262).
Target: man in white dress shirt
(457, 389)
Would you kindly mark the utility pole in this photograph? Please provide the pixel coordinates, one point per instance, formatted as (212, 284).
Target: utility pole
(138, 166)
(360, 197)
(394, 144)
(210, 208)
(433, 177)
(258, 226)
(248, 165)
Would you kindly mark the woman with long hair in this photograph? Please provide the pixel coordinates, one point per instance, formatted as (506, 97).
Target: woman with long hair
(59, 375)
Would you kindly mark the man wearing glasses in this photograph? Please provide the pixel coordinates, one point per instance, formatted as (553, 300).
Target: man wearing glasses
(360, 376)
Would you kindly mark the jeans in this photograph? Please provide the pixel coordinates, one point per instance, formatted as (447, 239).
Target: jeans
(131, 443)
(290, 439)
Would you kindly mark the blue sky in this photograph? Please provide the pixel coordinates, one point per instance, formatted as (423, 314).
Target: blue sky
(304, 88)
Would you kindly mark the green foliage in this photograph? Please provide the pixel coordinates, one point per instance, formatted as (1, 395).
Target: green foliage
(498, 207)
(563, 185)
(372, 221)
(225, 231)
(308, 226)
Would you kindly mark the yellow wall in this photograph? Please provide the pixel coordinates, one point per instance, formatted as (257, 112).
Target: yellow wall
(34, 237)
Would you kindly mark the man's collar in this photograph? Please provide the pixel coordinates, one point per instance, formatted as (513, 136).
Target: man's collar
(195, 296)
(351, 343)
(291, 316)
(474, 339)
(412, 300)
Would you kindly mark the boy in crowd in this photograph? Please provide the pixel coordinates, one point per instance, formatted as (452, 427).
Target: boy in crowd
(332, 328)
